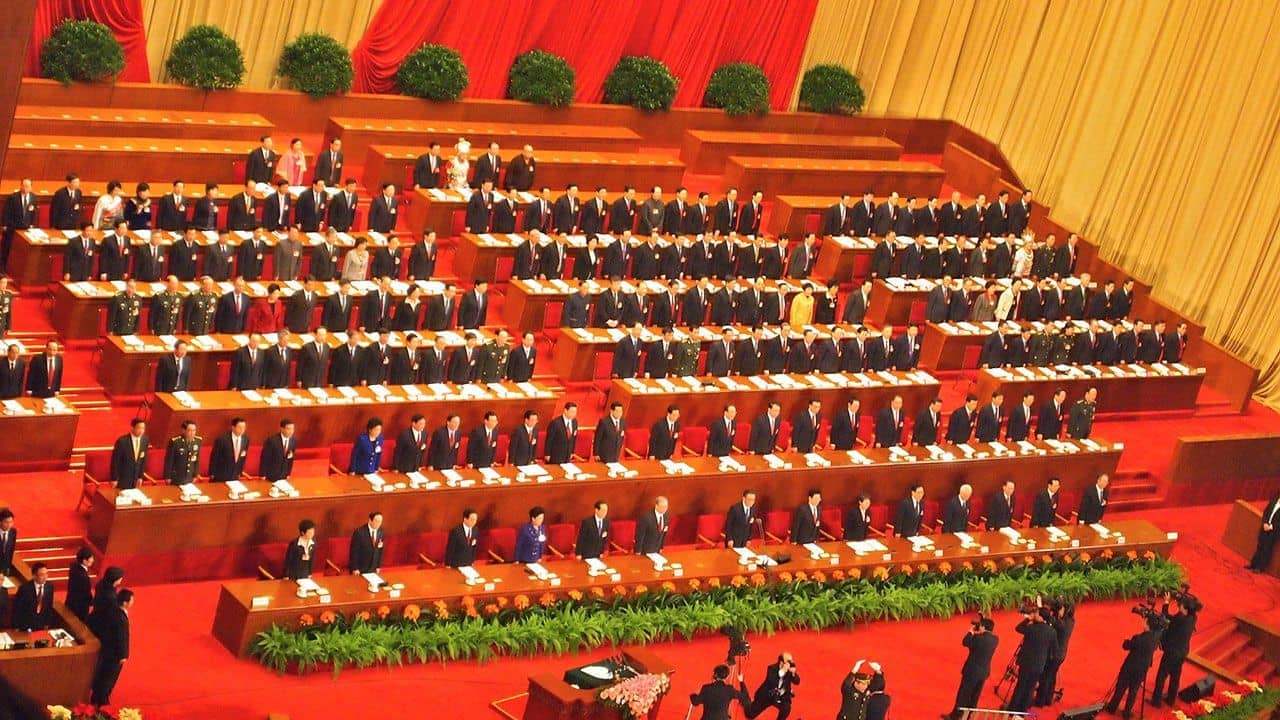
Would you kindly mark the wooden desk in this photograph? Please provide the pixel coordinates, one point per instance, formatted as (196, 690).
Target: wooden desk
(201, 159)
(551, 698)
(358, 134)
(336, 422)
(832, 177)
(891, 302)
(795, 214)
(556, 168)
(444, 211)
(1241, 533)
(526, 302)
(50, 675)
(339, 503)
(128, 369)
(1130, 393)
(707, 151)
(79, 308)
(40, 441)
(943, 345)
(236, 623)
(702, 406)
(151, 123)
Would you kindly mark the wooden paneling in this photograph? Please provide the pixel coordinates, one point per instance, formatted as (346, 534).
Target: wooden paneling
(1208, 470)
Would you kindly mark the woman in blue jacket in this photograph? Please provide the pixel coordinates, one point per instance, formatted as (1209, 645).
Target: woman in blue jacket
(531, 542)
(366, 456)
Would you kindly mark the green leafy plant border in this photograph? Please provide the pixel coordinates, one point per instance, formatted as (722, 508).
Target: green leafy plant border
(561, 623)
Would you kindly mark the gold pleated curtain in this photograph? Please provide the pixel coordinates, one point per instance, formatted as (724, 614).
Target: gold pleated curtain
(1152, 126)
(261, 27)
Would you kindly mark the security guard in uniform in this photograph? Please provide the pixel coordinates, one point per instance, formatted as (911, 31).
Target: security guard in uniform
(1062, 343)
(1080, 422)
(166, 309)
(201, 307)
(1041, 346)
(492, 363)
(6, 306)
(125, 310)
(684, 362)
(182, 456)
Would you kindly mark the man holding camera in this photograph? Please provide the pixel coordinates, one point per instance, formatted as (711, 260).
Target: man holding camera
(776, 690)
(1062, 618)
(1133, 671)
(1179, 612)
(1038, 641)
(981, 641)
(718, 695)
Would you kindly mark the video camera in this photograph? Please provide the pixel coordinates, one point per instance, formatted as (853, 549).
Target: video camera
(1037, 607)
(738, 645)
(1189, 603)
(1155, 619)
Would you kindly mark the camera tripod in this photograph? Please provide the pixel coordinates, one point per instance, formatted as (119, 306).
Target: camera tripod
(1009, 677)
(1142, 695)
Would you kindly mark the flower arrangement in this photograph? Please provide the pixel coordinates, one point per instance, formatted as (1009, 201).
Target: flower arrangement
(636, 696)
(84, 711)
(1238, 701)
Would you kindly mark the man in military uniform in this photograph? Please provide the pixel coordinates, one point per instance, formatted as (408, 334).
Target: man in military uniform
(6, 306)
(200, 308)
(124, 310)
(1080, 422)
(684, 362)
(857, 701)
(1041, 349)
(166, 308)
(1062, 344)
(182, 456)
(492, 365)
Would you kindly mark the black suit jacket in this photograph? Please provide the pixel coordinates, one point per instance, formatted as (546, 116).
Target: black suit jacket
(472, 311)
(442, 454)
(479, 212)
(261, 169)
(296, 566)
(488, 167)
(1044, 509)
(224, 463)
(43, 382)
(925, 431)
(366, 550)
(79, 592)
(126, 469)
(172, 378)
(857, 526)
(907, 521)
(804, 526)
(844, 430)
(383, 213)
(889, 433)
(30, 612)
(737, 525)
(342, 211)
(1000, 511)
(1049, 423)
(592, 540)
(1091, 506)
(7, 546)
(651, 535)
(959, 426)
(344, 367)
(225, 317)
(310, 212)
(276, 461)
(409, 454)
(804, 431)
(1019, 425)
(169, 215)
(763, 440)
(720, 437)
(460, 551)
(988, 428)
(607, 443)
(481, 450)
(955, 516)
(329, 168)
(561, 437)
(524, 448)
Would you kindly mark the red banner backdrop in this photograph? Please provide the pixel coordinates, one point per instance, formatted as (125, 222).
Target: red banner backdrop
(124, 17)
(693, 39)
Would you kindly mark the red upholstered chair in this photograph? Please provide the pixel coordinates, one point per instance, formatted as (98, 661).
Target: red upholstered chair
(153, 468)
(500, 452)
(880, 520)
(340, 457)
(635, 444)
(388, 452)
(932, 519)
(1068, 507)
(582, 445)
(861, 266)
(977, 512)
(623, 534)
(711, 530)
(561, 538)
(253, 462)
(431, 548)
(832, 522)
(240, 168)
(784, 435)
(97, 471)
(908, 424)
(463, 442)
(742, 438)
(813, 223)
(457, 223)
(406, 189)
(777, 525)
(867, 429)
(824, 436)
(500, 544)
(917, 316)
(693, 440)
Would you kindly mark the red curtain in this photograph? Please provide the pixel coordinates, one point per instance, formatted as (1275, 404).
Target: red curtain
(693, 39)
(123, 17)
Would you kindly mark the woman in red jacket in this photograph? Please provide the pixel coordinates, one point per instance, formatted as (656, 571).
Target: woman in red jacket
(267, 316)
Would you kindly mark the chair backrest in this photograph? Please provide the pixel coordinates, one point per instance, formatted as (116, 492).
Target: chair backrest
(778, 523)
(833, 520)
(433, 544)
(154, 465)
(931, 514)
(742, 436)
(97, 465)
(1068, 502)
(340, 456)
(917, 312)
(824, 434)
(388, 452)
(624, 533)
(637, 441)
(502, 541)
(500, 452)
(463, 443)
(582, 444)
(562, 537)
(711, 527)
(695, 438)
(784, 433)
(879, 517)
(977, 507)
(408, 179)
(969, 360)
(253, 462)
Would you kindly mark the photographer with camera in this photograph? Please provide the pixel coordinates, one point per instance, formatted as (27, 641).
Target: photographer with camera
(1062, 618)
(776, 690)
(1133, 671)
(1038, 641)
(716, 696)
(858, 701)
(1179, 611)
(981, 641)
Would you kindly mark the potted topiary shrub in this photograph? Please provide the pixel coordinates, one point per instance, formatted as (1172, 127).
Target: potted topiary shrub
(81, 51)
(831, 89)
(206, 58)
(641, 82)
(740, 88)
(317, 65)
(433, 72)
(541, 78)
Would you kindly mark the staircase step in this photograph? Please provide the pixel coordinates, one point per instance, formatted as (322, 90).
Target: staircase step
(1260, 667)
(1134, 488)
(1213, 641)
(1130, 504)
(1225, 653)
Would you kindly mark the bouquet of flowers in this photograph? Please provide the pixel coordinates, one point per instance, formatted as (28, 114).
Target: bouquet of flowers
(636, 696)
(1221, 700)
(84, 711)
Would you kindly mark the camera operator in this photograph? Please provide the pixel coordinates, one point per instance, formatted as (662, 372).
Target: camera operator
(1133, 671)
(776, 690)
(1038, 641)
(716, 696)
(981, 641)
(1062, 618)
(857, 700)
(1179, 611)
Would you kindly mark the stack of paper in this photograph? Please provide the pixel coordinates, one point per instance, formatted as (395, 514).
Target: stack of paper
(283, 488)
(814, 460)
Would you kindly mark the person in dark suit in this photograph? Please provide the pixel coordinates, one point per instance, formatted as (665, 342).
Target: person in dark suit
(462, 365)
(428, 169)
(261, 164)
(473, 308)
(242, 208)
(1000, 508)
(8, 541)
(764, 431)
(299, 557)
(384, 210)
(1019, 425)
(205, 216)
(960, 424)
(609, 435)
(79, 585)
(232, 313)
(521, 361)
(889, 423)
(312, 207)
(277, 362)
(576, 311)
(522, 172)
(776, 689)
(973, 221)
(247, 365)
(857, 521)
(804, 427)
(1052, 414)
(562, 435)
(664, 435)
(78, 258)
(1045, 508)
(955, 515)
(807, 519)
(482, 442)
(33, 603)
(879, 351)
(1267, 535)
(148, 261)
(344, 366)
(739, 520)
(230, 451)
(329, 164)
(652, 527)
(1038, 642)
(479, 212)
(622, 216)
(19, 213)
(342, 209)
(989, 418)
(717, 696)
(171, 212)
(884, 216)
(1093, 502)
(64, 207)
(110, 624)
(1122, 303)
(523, 449)
(751, 216)
(411, 446)
(909, 519)
(566, 212)
(442, 453)
(488, 167)
(1132, 677)
(173, 373)
(721, 355)
(376, 309)
(129, 455)
(906, 349)
(276, 208)
(367, 543)
(721, 432)
(13, 370)
(593, 533)
(844, 426)
(44, 374)
(925, 430)
(460, 549)
(278, 450)
(981, 642)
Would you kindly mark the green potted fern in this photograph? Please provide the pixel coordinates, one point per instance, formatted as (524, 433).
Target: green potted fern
(541, 78)
(316, 64)
(206, 58)
(81, 51)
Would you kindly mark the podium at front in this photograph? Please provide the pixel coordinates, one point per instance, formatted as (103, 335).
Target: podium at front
(551, 698)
